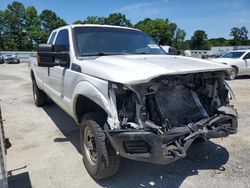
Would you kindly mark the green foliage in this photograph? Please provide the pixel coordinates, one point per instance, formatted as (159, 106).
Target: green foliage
(219, 42)
(32, 27)
(78, 22)
(179, 38)
(199, 41)
(239, 36)
(1, 30)
(94, 20)
(113, 19)
(117, 19)
(50, 21)
(23, 29)
(161, 30)
(13, 27)
(186, 45)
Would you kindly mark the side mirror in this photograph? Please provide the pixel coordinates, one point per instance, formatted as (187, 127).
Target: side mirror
(47, 57)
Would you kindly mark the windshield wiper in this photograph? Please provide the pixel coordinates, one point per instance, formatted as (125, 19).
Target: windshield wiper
(102, 54)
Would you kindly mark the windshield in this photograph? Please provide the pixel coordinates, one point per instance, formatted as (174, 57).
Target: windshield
(234, 55)
(113, 41)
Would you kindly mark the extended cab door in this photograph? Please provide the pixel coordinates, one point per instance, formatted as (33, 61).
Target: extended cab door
(56, 75)
(42, 72)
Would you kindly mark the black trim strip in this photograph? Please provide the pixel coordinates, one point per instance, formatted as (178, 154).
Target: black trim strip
(76, 67)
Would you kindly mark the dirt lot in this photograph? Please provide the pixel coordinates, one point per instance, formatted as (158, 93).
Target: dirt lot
(45, 149)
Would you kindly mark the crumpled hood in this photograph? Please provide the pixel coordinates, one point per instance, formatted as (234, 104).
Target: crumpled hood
(134, 69)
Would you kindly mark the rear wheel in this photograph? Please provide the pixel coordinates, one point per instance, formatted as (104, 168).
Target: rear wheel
(38, 95)
(99, 157)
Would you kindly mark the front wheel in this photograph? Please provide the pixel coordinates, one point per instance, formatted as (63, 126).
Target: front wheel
(99, 157)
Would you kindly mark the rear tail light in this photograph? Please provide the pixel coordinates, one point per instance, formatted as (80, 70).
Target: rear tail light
(38, 58)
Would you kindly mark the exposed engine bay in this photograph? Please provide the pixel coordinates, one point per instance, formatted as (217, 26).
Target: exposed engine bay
(178, 109)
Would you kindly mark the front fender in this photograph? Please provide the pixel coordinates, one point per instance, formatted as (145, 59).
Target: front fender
(101, 98)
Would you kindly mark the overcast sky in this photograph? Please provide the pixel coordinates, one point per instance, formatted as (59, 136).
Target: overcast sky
(216, 17)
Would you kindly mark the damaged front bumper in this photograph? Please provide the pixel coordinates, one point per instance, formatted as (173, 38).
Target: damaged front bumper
(150, 146)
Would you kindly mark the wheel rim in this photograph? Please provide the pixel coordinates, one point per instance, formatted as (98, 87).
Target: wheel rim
(90, 146)
(232, 74)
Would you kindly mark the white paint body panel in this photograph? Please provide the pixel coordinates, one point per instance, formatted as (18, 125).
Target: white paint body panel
(64, 85)
(134, 69)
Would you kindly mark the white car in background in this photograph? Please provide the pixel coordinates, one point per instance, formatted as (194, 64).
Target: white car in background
(239, 61)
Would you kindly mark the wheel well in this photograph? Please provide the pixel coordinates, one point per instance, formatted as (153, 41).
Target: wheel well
(32, 75)
(84, 105)
(236, 68)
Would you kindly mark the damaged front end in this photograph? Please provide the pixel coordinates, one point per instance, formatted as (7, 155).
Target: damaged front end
(160, 119)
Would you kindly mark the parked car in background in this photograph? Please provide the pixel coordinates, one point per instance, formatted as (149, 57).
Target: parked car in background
(1, 59)
(239, 60)
(11, 58)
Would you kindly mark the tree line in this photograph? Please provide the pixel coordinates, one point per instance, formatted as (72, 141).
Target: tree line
(22, 28)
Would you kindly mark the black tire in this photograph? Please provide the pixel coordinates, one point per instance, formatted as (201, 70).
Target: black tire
(102, 162)
(200, 140)
(232, 74)
(39, 96)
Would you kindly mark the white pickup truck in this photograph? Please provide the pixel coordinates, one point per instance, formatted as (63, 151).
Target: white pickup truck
(129, 98)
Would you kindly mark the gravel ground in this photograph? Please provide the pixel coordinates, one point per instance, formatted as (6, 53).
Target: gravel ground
(45, 149)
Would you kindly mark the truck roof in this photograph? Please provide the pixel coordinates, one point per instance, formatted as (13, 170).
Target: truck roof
(95, 25)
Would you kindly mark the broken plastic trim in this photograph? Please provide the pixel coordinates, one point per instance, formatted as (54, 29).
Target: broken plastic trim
(231, 93)
(173, 144)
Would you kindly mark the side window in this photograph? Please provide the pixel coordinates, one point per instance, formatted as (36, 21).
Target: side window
(62, 45)
(52, 38)
(62, 41)
(247, 56)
